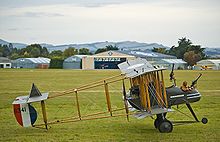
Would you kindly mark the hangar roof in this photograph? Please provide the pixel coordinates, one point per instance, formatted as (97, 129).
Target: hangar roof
(4, 60)
(174, 61)
(81, 56)
(112, 53)
(209, 61)
(74, 58)
(146, 53)
(36, 60)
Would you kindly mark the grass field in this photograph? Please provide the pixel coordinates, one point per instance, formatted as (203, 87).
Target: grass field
(17, 82)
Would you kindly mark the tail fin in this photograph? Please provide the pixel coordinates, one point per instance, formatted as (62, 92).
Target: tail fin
(34, 91)
(24, 112)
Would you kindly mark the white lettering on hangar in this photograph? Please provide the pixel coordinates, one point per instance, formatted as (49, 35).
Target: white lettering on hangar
(106, 59)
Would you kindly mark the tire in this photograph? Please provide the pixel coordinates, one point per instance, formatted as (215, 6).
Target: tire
(204, 120)
(156, 123)
(165, 126)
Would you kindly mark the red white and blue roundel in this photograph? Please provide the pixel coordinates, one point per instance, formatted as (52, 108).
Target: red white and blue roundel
(25, 114)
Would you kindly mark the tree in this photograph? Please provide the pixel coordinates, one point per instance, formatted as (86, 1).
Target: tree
(184, 46)
(5, 51)
(84, 51)
(26, 55)
(107, 48)
(111, 47)
(10, 46)
(198, 50)
(1, 51)
(35, 52)
(44, 52)
(100, 50)
(160, 50)
(70, 52)
(15, 56)
(56, 63)
(56, 53)
(192, 58)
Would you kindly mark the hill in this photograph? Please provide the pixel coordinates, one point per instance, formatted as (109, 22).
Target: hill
(123, 45)
(17, 45)
(127, 45)
(213, 52)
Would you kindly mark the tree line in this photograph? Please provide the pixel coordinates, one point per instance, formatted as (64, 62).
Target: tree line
(57, 56)
(36, 50)
(185, 50)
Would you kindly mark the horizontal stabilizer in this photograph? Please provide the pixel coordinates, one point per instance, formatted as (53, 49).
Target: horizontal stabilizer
(34, 96)
(43, 96)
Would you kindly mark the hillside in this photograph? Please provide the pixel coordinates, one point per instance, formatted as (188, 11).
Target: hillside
(127, 45)
(123, 45)
(213, 52)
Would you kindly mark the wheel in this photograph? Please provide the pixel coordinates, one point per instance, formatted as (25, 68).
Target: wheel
(158, 120)
(204, 120)
(165, 126)
(156, 123)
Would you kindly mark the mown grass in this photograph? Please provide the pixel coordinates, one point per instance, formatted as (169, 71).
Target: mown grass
(15, 83)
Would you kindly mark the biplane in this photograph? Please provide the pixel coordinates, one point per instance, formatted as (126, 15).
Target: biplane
(146, 96)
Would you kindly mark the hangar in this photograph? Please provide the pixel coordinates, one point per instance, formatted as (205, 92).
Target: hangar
(150, 56)
(5, 62)
(168, 63)
(208, 64)
(73, 62)
(40, 63)
(105, 60)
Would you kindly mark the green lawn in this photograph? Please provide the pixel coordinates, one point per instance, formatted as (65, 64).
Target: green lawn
(17, 82)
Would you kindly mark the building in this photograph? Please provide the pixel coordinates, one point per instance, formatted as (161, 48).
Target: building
(148, 55)
(168, 63)
(73, 62)
(208, 64)
(105, 60)
(40, 63)
(5, 62)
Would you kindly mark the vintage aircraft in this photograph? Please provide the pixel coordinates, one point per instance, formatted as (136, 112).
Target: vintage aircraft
(146, 96)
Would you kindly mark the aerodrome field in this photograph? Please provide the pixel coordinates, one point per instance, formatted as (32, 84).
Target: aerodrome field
(17, 82)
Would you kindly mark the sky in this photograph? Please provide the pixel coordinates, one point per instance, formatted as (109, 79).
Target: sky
(85, 21)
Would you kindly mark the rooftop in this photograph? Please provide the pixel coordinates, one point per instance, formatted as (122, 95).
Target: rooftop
(174, 61)
(36, 60)
(4, 60)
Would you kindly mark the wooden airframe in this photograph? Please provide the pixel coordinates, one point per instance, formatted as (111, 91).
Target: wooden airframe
(138, 73)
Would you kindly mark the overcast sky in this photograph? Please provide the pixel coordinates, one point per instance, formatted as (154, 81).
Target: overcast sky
(84, 21)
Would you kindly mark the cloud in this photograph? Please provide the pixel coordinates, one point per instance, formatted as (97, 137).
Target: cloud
(141, 20)
(93, 5)
(37, 14)
(12, 29)
(83, 3)
(102, 3)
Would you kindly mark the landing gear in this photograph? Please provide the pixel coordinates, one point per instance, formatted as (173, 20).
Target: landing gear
(162, 124)
(165, 126)
(156, 123)
(204, 120)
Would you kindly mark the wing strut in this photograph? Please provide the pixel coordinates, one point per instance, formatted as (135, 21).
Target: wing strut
(125, 100)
